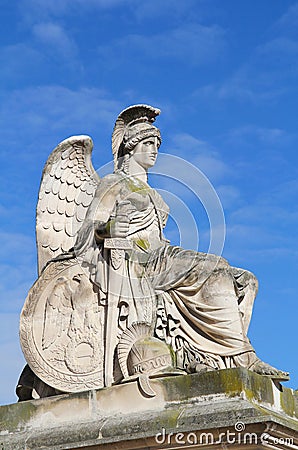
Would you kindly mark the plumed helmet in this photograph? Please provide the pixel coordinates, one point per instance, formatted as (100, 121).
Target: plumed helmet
(132, 126)
(149, 356)
(142, 356)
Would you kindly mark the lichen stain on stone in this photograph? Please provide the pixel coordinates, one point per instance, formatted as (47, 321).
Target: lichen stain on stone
(142, 243)
(260, 389)
(180, 386)
(287, 401)
(227, 381)
(11, 419)
(139, 187)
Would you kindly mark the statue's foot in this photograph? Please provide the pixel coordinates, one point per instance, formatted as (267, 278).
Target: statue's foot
(265, 369)
(196, 367)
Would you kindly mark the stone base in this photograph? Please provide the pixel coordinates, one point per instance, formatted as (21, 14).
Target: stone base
(215, 410)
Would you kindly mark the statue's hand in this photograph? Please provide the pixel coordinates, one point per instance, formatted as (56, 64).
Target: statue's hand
(119, 225)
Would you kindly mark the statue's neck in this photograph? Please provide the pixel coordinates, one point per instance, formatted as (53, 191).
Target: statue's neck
(137, 171)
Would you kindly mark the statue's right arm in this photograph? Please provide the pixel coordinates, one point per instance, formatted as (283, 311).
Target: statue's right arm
(103, 212)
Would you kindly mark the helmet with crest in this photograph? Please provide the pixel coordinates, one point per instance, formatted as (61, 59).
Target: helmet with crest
(132, 126)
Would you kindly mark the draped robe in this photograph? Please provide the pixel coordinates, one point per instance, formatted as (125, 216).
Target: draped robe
(196, 302)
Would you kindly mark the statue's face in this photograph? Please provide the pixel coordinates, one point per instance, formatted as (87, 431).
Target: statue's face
(145, 152)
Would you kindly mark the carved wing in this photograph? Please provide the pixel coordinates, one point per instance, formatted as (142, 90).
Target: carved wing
(57, 312)
(67, 188)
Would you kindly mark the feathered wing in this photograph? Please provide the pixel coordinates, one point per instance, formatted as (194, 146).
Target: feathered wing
(67, 188)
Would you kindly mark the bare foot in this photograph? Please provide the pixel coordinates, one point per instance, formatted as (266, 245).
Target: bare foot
(263, 368)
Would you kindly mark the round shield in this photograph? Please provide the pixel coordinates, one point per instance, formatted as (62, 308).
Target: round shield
(61, 328)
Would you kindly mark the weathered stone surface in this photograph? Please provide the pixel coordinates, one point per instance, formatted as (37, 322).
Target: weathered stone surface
(233, 404)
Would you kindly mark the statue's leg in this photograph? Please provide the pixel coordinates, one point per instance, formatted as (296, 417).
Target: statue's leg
(219, 297)
(224, 313)
(208, 323)
(210, 306)
(246, 286)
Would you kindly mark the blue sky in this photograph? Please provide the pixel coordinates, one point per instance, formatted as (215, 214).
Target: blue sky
(223, 72)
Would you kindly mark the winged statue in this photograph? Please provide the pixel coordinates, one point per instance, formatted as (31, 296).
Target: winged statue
(67, 188)
(114, 300)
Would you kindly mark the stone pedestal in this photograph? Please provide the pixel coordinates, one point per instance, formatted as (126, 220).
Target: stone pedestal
(232, 408)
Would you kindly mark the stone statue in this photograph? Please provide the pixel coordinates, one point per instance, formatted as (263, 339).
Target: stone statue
(114, 301)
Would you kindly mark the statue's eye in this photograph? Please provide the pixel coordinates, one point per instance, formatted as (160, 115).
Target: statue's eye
(148, 143)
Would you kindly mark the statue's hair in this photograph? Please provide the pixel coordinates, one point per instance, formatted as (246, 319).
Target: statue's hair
(127, 146)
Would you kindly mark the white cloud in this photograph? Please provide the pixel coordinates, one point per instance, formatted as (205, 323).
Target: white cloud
(15, 246)
(278, 56)
(56, 38)
(19, 59)
(17, 269)
(41, 9)
(265, 228)
(46, 110)
(36, 10)
(269, 71)
(193, 44)
(201, 154)
(266, 212)
(289, 20)
(264, 135)
(248, 84)
(170, 8)
(286, 193)
(229, 196)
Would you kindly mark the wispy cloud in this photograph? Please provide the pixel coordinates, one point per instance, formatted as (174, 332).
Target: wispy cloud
(260, 153)
(186, 10)
(19, 59)
(135, 8)
(265, 211)
(15, 246)
(36, 10)
(201, 154)
(55, 37)
(229, 195)
(17, 269)
(48, 109)
(268, 72)
(48, 47)
(289, 20)
(244, 134)
(264, 227)
(248, 84)
(278, 57)
(192, 43)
